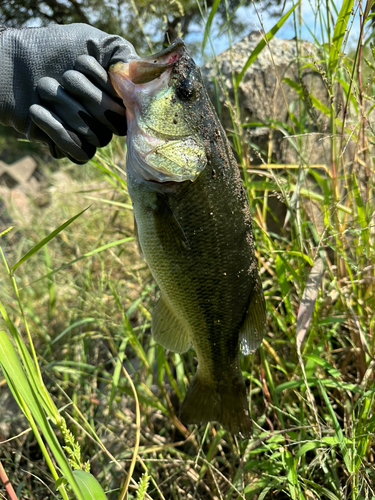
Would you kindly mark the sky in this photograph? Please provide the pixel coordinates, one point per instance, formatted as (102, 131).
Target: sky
(287, 30)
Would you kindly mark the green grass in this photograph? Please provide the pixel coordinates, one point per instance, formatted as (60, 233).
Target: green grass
(82, 306)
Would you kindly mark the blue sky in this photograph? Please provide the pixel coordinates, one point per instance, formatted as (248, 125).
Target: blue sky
(287, 31)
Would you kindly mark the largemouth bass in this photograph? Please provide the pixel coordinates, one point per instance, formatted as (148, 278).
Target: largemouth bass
(194, 230)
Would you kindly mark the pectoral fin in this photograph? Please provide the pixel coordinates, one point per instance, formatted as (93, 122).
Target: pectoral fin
(137, 238)
(167, 225)
(168, 330)
(254, 324)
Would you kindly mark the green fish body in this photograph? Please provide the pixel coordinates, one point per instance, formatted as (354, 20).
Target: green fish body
(194, 229)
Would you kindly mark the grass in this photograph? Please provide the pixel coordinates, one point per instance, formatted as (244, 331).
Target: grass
(110, 395)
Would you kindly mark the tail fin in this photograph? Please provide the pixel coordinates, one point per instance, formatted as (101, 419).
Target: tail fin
(206, 402)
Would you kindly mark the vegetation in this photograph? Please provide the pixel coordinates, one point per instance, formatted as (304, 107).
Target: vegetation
(146, 24)
(97, 392)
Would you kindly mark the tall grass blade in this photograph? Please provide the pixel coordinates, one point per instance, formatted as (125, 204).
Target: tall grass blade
(116, 374)
(84, 256)
(208, 23)
(89, 486)
(339, 33)
(267, 37)
(45, 240)
(280, 268)
(29, 366)
(338, 431)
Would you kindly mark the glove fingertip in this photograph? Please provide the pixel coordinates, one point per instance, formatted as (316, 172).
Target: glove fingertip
(95, 72)
(77, 162)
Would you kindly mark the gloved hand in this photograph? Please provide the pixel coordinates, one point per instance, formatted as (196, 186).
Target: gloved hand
(54, 87)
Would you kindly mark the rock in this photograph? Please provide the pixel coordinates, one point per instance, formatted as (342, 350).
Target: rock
(17, 184)
(260, 96)
(19, 174)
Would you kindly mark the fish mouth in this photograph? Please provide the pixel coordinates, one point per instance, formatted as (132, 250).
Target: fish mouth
(147, 69)
(148, 74)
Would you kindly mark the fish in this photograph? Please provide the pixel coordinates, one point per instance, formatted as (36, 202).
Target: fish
(194, 229)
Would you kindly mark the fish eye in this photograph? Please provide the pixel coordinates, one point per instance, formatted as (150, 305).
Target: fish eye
(185, 89)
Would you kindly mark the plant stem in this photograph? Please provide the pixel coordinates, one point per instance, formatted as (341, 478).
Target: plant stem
(7, 483)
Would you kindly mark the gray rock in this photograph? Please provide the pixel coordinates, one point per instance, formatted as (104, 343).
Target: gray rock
(261, 98)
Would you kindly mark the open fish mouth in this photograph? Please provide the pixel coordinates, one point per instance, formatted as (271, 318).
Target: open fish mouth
(149, 68)
(162, 146)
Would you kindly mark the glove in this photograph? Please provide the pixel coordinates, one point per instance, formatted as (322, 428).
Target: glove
(54, 87)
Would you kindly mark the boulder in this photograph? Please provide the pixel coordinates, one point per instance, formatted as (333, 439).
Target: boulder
(261, 98)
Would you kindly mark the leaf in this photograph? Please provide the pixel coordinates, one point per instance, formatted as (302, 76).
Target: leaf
(116, 374)
(319, 105)
(312, 445)
(314, 100)
(369, 64)
(322, 492)
(339, 33)
(70, 327)
(296, 253)
(60, 482)
(45, 240)
(89, 486)
(338, 431)
(258, 49)
(294, 85)
(294, 200)
(346, 89)
(369, 17)
(361, 213)
(327, 366)
(31, 372)
(292, 477)
(210, 18)
(282, 280)
(308, 300)
(110, 202)
(108, 172)
(312, 382)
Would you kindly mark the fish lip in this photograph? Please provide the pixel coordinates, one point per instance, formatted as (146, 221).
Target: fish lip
(177, 46)
(147, 69)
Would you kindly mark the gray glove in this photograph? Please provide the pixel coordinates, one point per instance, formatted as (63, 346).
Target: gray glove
(54, 87)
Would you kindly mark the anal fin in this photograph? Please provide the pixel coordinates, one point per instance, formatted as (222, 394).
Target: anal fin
(254, 323)
(168, 330)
